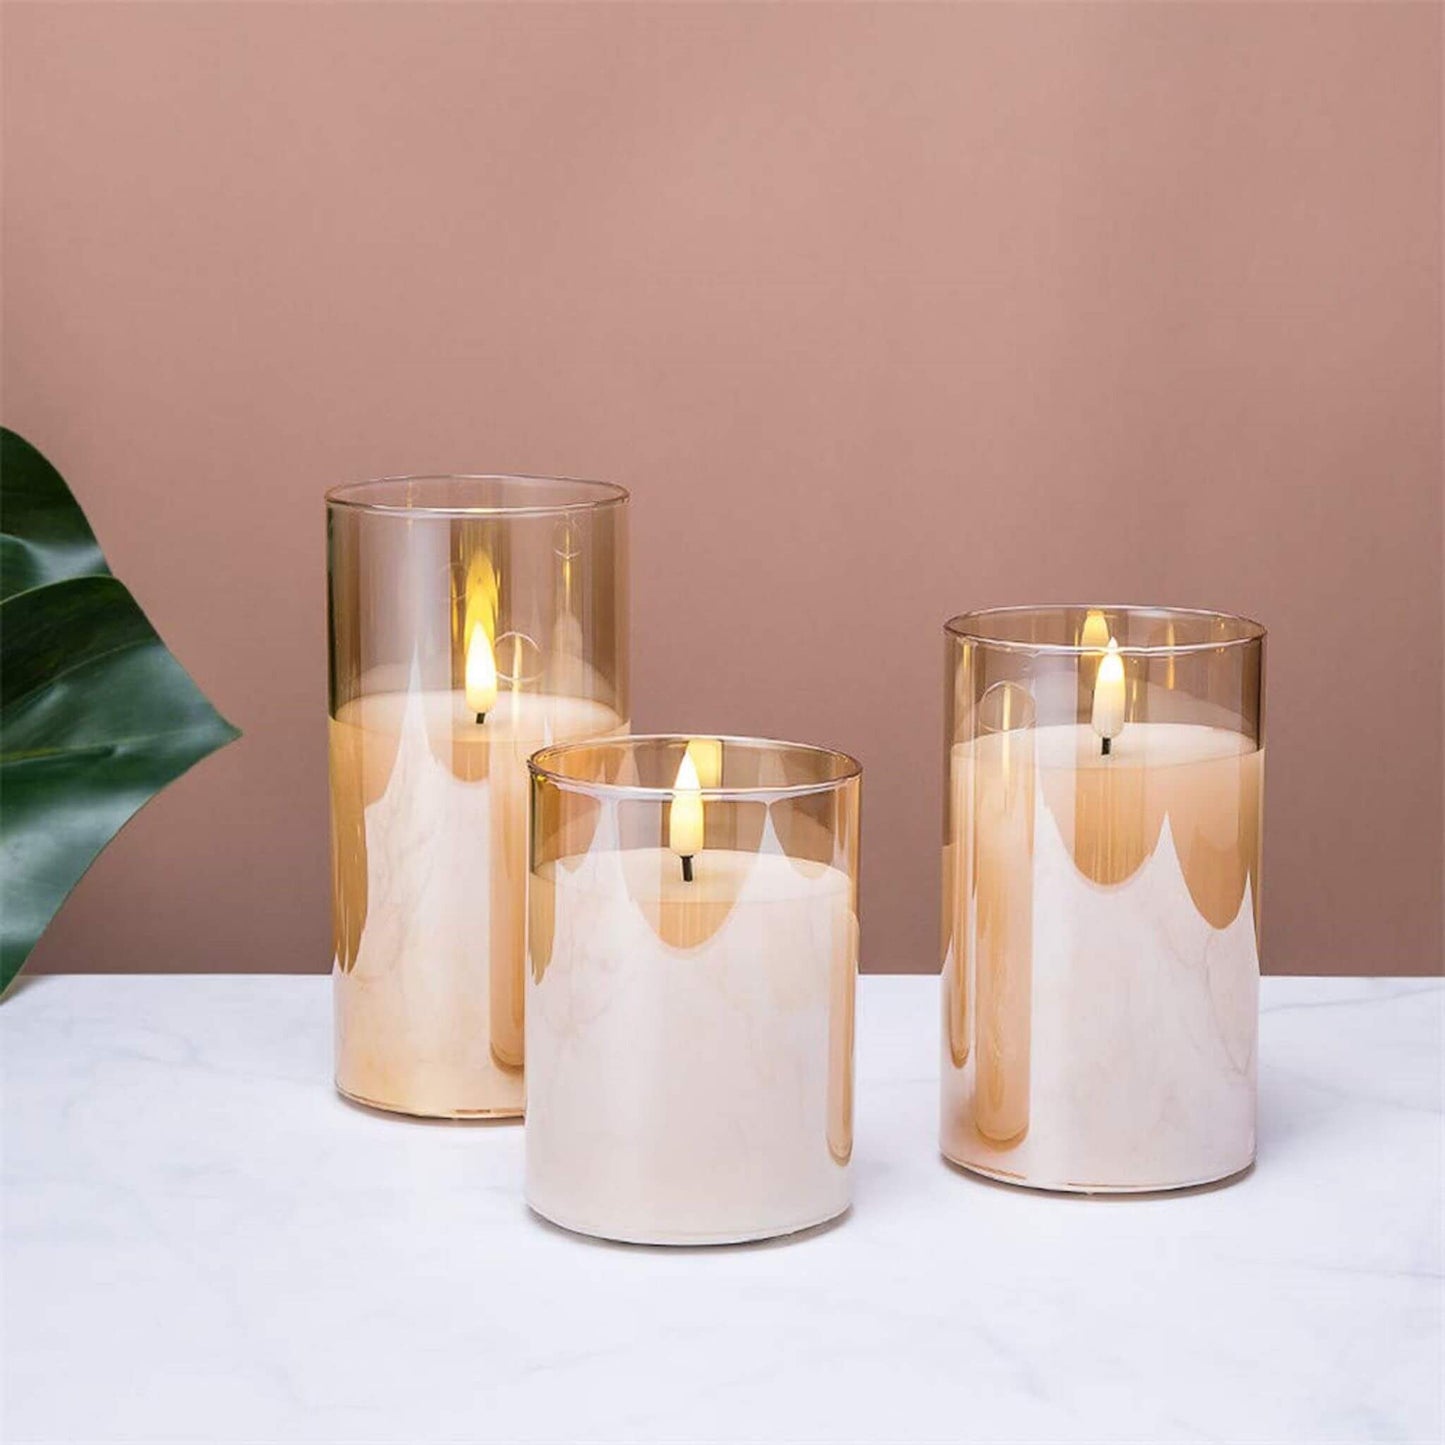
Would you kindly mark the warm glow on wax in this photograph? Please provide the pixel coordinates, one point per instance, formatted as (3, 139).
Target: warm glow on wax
(706, 755)
(1095, 631)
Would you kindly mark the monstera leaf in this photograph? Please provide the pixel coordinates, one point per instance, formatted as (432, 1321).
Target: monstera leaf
(96, 717)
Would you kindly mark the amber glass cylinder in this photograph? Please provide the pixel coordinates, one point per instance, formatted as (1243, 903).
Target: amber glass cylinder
(472, 620)
(1101, 865)
(693, 950)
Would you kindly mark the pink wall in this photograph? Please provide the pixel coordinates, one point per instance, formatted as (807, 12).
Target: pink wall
(883, 312)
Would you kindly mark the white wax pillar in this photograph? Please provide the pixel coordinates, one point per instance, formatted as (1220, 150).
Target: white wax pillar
(429, 814)
(689, 1045)
(1102, 989)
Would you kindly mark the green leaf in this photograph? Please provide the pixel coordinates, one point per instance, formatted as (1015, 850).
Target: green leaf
(96, 716)
(44, 536)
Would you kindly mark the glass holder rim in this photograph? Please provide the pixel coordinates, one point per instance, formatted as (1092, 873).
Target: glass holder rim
(538, 766)
(965, 627)
(354, 496)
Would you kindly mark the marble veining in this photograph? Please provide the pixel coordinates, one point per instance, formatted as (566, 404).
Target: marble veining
(202, 1241)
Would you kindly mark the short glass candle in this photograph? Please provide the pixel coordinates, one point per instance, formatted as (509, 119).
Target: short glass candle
(1101, 861)
(693, 952)
(472, 621)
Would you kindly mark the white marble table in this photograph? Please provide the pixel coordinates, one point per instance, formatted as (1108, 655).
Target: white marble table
(202, 1242)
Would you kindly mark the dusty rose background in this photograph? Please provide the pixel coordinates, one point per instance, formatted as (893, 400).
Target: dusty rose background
(882, 311)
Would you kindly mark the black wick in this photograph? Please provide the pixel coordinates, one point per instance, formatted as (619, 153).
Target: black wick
(687, 868)
(481, 718)
(1104, 751)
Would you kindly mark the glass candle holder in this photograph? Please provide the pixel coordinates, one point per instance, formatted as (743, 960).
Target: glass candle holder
(693, 951)
(472, 621)
(1101, 862)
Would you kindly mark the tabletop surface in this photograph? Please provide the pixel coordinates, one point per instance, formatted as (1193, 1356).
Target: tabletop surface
(203, 1242)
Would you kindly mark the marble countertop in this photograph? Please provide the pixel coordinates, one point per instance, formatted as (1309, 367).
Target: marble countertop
(203, 1242)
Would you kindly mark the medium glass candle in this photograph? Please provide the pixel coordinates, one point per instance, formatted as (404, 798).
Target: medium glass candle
(693, 950)
(472, 621)
(1101, 863)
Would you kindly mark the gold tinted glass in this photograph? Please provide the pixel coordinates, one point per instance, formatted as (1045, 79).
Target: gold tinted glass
(1101, 889)
(472, 620)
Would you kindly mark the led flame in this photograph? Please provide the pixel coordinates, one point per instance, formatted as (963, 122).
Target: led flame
(684, 813)
(1110, 694)
(481, 672)
(479, 627)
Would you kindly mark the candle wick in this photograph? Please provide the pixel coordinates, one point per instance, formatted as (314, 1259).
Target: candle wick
(687, 868)
(481, 718)
(1108, 744)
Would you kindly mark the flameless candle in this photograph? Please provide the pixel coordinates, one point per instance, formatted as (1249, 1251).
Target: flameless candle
(690, 996)
(439, 587)
(481, 674)
(1101, 884)
(684, 815)
(1107, 717)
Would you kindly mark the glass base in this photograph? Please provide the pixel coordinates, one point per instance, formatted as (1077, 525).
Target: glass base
(458, 1114)
(1002, 1176)
(622, 1235)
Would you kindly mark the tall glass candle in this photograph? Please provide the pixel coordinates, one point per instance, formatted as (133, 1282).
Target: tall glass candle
(472, 621)
(1101, 868)
(693, 949)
